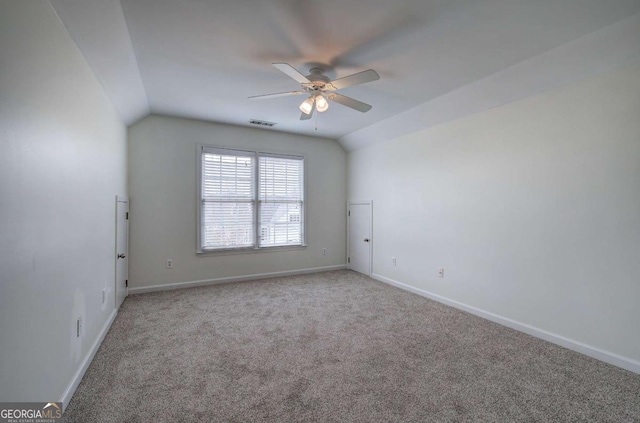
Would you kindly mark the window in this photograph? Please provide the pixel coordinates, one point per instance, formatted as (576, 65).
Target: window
(280, 200)
(250, 200)
(228, 199)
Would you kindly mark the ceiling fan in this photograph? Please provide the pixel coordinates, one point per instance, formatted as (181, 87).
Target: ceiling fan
(320, 89)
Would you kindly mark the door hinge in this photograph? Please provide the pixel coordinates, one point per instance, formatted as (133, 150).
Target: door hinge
(127, 215)
(349, 213)
(126, 283)
(348, 259)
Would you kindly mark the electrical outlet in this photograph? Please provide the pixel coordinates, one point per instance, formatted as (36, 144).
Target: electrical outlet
(324, 251)
(104, 295)
(79, 327)
(393, 261)
(441, 272)
(169, 263)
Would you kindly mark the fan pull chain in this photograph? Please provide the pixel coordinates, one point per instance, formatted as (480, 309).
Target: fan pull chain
(317, 120)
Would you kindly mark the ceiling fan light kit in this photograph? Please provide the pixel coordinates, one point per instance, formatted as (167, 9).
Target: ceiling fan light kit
(321, 103)
(317, 85)
(307, 105)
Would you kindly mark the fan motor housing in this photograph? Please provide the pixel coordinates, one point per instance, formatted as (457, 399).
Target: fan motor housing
(318, 80)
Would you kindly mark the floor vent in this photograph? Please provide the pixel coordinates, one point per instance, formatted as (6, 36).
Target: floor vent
(261, 122)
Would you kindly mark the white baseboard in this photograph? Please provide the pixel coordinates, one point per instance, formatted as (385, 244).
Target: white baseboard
(77, 377)
(606, 356)
(191, 284)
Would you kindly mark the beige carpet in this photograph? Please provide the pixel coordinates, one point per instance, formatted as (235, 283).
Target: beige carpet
(334, 347)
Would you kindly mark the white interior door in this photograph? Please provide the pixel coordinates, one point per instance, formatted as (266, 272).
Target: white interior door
(122, 249)
(360, 237)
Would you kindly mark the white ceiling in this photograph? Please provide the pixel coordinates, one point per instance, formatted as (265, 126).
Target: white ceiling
(202, 59)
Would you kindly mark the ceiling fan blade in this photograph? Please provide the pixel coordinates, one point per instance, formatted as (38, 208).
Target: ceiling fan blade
(350, 102)
(275, 95)
(305, 116)
(355, 79)
(292, 72)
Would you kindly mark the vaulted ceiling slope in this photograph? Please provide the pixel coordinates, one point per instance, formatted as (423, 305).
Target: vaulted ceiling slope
(438, 60)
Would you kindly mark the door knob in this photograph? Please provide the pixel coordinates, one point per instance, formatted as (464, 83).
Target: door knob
(366, 240)
(121, 255)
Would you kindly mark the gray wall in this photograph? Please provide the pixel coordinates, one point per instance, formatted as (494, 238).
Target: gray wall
(162, 183)
(63, 162)
(533, 209)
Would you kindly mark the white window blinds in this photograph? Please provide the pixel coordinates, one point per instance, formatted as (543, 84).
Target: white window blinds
(281, 200)
(250, 200)
(228, 199)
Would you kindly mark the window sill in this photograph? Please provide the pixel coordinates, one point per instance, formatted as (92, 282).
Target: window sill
(239, 251)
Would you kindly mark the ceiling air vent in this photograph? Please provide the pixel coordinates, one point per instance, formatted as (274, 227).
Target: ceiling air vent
(261, 122)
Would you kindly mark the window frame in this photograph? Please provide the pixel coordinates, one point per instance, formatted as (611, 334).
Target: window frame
(256, 154)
